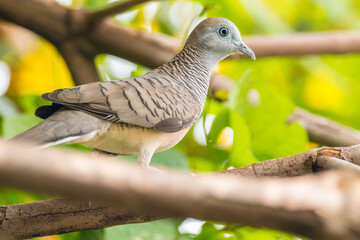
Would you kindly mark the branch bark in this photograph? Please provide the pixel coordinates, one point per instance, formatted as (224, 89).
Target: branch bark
(51, 21)
(76, 59)
(57, 216)
(274, 203)
(303, 163)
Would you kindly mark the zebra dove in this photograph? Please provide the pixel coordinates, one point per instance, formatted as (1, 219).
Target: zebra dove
(140, 115)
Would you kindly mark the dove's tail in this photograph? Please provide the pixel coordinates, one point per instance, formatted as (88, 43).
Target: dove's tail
(64, 126)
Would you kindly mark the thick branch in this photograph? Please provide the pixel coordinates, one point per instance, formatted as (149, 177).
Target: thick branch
(51, 21)
(58, 216)
(82, 67)
(67, 216)
(262, 202)
(296, 165)
(151, 50)
(44, 17)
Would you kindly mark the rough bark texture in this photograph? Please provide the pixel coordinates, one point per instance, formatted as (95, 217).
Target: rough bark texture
(57, 216)
(302, 163)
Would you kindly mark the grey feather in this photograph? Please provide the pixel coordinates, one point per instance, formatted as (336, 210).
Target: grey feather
(141, 101)
(62, 124)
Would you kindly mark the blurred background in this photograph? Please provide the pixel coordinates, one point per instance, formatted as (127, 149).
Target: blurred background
(250, 125)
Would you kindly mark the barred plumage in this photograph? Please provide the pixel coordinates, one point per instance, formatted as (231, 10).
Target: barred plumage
(144, 114)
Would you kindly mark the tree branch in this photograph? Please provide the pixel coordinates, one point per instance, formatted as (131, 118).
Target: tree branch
(325, 131)
(57, 216)
(274, 203)
(301, 44)
(44, 17)
(50, 20)
(82, 67)
(114, 9)
(151, 50)
(335, 163)
(303, 163)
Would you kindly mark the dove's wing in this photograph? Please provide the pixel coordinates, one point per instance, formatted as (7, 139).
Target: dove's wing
(143, 101)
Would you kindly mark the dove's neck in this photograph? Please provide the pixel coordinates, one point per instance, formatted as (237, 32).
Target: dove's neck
(192, 68)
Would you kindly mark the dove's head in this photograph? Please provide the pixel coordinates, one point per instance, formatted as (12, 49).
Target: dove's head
(219, 37)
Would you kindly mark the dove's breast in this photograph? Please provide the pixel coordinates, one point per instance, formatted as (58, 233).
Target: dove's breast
(125, 139)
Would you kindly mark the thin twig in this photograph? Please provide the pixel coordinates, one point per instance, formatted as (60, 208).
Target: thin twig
(114, 9)
(325, 131)
(325, 162)
(301, 44)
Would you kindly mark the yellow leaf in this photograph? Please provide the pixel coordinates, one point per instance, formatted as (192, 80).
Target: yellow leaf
(42, 70)
(322, 94)
(225, 138)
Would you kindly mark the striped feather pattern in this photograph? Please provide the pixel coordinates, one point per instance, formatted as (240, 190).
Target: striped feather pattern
(169, 98)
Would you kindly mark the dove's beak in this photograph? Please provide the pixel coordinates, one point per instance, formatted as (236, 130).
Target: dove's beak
(245, 49)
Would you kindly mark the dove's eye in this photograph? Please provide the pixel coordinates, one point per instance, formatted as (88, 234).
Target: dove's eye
(224, 31)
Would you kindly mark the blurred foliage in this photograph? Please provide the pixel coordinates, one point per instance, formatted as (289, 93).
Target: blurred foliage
(39, 70)
(159, 230)
(251, 126)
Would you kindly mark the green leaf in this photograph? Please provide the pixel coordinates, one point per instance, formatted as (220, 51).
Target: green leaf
(83, 235)
(160, 230)
(232, 10)
(220, 122)
(94, 5)
(201, 164)
(210, 232)
(92, 235)
(171, 158)
(29, 103)
(20, 123)
(241, 153)
(250, 233)
(265, 111)
(15, 196)
(7, 107)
